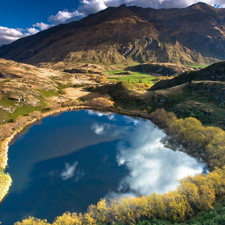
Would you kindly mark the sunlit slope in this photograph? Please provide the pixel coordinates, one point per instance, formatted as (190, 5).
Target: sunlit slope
(193, 35)
(215, 72)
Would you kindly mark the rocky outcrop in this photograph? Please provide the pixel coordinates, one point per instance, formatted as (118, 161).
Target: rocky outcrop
(30, 100)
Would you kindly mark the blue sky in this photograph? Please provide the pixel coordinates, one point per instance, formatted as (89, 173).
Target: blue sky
(20, 18)
(25, 13)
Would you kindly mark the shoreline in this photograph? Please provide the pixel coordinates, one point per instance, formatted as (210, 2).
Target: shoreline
(6, 142)
(133, 113)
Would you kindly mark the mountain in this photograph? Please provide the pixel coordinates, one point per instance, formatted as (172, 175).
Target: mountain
(193, 35)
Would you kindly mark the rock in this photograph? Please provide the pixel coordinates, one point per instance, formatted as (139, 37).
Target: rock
(30, 100)
(15, 96)
(8, 109)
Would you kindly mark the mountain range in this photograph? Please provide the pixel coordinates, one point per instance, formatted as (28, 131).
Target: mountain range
(192, 35)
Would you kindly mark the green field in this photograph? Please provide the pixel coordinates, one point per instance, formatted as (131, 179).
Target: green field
(135, 77)
(197, 66)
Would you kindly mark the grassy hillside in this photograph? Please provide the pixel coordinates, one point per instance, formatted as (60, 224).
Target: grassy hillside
(215, 72)
(200, 94)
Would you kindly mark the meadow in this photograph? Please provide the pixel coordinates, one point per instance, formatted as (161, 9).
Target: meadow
(136, 77)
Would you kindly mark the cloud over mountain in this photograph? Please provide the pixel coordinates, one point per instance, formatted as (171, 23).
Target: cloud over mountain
(8, 35)
(42, 26)
(65, 16)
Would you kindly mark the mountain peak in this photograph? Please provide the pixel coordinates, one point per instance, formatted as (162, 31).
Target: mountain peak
(202, 6)
(123, 6)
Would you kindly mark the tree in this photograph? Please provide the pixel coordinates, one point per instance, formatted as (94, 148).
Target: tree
(32, 221)
(177, 206)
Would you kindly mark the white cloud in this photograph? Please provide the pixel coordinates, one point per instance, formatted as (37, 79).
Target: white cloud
(160, 3)
(42, 26)
(129, 119)
(65, 17)
(32, 30)
(151, 166)
(72, 171)
(92, 6)
(99, 129)
(96, 113)
(8, 35)
(69, 171)
(110, 116)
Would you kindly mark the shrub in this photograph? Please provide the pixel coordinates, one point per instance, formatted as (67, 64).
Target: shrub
(32, 221)
(149, 109)
(71, 103)
(101, 102)
(5, 183)
(101, 79)
(93, 77)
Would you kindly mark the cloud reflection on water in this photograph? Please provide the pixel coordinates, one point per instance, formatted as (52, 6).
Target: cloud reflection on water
(110, 116)
(129, 119)
(153, 168)
(70, 171)
(99, 129)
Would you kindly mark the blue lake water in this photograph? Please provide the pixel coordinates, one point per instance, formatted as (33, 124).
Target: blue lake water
(67, 162)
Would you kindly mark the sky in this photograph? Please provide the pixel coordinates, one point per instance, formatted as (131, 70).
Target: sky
(20, 18)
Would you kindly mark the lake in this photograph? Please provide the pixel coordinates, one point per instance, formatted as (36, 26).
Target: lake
(69, 161)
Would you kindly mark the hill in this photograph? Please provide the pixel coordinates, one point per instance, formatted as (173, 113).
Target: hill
(193, 35)
(26, 88)
(199, 94)
(215, 72)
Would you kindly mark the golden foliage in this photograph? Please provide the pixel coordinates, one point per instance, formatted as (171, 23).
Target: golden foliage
(69, 219)
(209, 141)
(5, 183)
(101, 102)
(93, 77)
(177, 206)
(71, 103)
(101, 79)
(32, 221)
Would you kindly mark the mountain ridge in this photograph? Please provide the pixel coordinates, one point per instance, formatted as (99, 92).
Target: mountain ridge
(195, 34)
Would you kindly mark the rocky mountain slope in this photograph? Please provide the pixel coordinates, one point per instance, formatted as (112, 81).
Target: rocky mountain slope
(195, 34)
